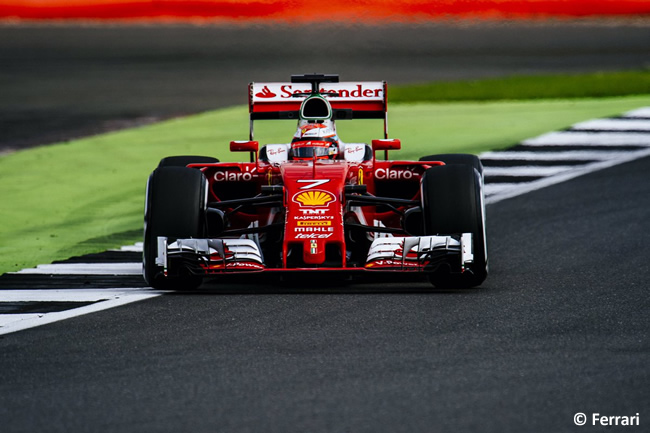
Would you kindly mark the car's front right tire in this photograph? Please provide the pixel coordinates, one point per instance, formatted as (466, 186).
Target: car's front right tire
(452, 203)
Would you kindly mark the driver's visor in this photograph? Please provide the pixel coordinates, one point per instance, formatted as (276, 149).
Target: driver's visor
(331, 139)
(311, 149)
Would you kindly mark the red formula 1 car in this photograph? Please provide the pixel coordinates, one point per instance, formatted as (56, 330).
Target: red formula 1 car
(316, 204)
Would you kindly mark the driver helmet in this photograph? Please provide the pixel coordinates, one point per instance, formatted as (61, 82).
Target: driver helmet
(315, 139)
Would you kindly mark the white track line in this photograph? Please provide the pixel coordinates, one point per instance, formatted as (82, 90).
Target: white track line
(85, 269)
(563, 138)
(639, 112)
(492, 189)
(614, 125)
(529, 170)
(137, 248)
(569, 155)
(105, 299)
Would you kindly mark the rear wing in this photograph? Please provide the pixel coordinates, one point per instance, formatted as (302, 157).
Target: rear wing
(349, 100)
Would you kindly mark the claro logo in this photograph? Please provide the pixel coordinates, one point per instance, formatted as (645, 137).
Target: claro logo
(235, 176)
(387, 173)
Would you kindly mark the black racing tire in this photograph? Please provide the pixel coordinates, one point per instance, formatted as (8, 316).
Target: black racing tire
(452, 203)
(184, 160)
(175, 207)
(457, 158)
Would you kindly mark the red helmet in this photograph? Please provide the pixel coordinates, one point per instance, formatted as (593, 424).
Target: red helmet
(315, 139)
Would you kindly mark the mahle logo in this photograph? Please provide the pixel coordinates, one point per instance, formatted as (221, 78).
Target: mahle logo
(314, 198)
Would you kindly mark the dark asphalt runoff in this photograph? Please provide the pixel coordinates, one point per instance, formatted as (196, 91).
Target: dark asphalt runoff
(59, 82)
(560, 327)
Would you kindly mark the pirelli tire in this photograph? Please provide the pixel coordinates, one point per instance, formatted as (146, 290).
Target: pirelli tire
(184, 160)
(457, 158)
(175, 207)
(452, 203)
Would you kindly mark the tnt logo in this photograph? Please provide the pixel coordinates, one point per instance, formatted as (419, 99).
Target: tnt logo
(312, 212)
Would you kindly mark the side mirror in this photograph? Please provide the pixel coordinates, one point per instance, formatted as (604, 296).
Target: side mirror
(386, 145)
(245, 146)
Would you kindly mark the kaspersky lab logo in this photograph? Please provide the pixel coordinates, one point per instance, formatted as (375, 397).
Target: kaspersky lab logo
(314, 198)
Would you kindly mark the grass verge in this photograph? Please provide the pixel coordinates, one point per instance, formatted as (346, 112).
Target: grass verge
(87, 195)
(593, 85)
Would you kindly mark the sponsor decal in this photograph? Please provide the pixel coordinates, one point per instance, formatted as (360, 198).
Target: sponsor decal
(313, 235)
(314, 223)
(358, 91)
(312, 126)
(314, 217)
(362, 91)
(244, 265)
(265, 93)
(278, 151)
(402, 174)
(312, 183)
(315, 198)
(235, 176)
(306, 212)
(355, 149)
(391, 263)
(313, 245)
(313, 229)
(236, 265)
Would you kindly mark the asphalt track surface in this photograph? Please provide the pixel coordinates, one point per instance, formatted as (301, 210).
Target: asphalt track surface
(59, 82)
(560, 327)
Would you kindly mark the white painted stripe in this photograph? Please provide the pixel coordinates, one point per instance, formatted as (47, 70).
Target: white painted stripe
(639, 112)
(526, 187)
(498, 188)
(137, 248)
(67, 295)
(526, 170)
(578, 155)
(8, 319)
(563, 138)
(119, 298)
(85, 269)
(614, 125)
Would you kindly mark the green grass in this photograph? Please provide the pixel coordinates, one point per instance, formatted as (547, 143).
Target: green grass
(88, 195)
(594, 85)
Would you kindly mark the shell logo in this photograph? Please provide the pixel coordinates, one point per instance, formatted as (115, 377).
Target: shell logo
(314, 198)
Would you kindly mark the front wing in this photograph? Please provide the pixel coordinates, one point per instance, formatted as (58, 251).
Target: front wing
(395, 254)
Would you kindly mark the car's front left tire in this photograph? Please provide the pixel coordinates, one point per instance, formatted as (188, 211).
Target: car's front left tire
(175, 208)
(184, 160)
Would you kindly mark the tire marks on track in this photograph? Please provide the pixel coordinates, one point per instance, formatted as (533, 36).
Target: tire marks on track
(95, 282)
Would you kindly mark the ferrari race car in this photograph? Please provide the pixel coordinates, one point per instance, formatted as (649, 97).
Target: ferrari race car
(316, 204)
